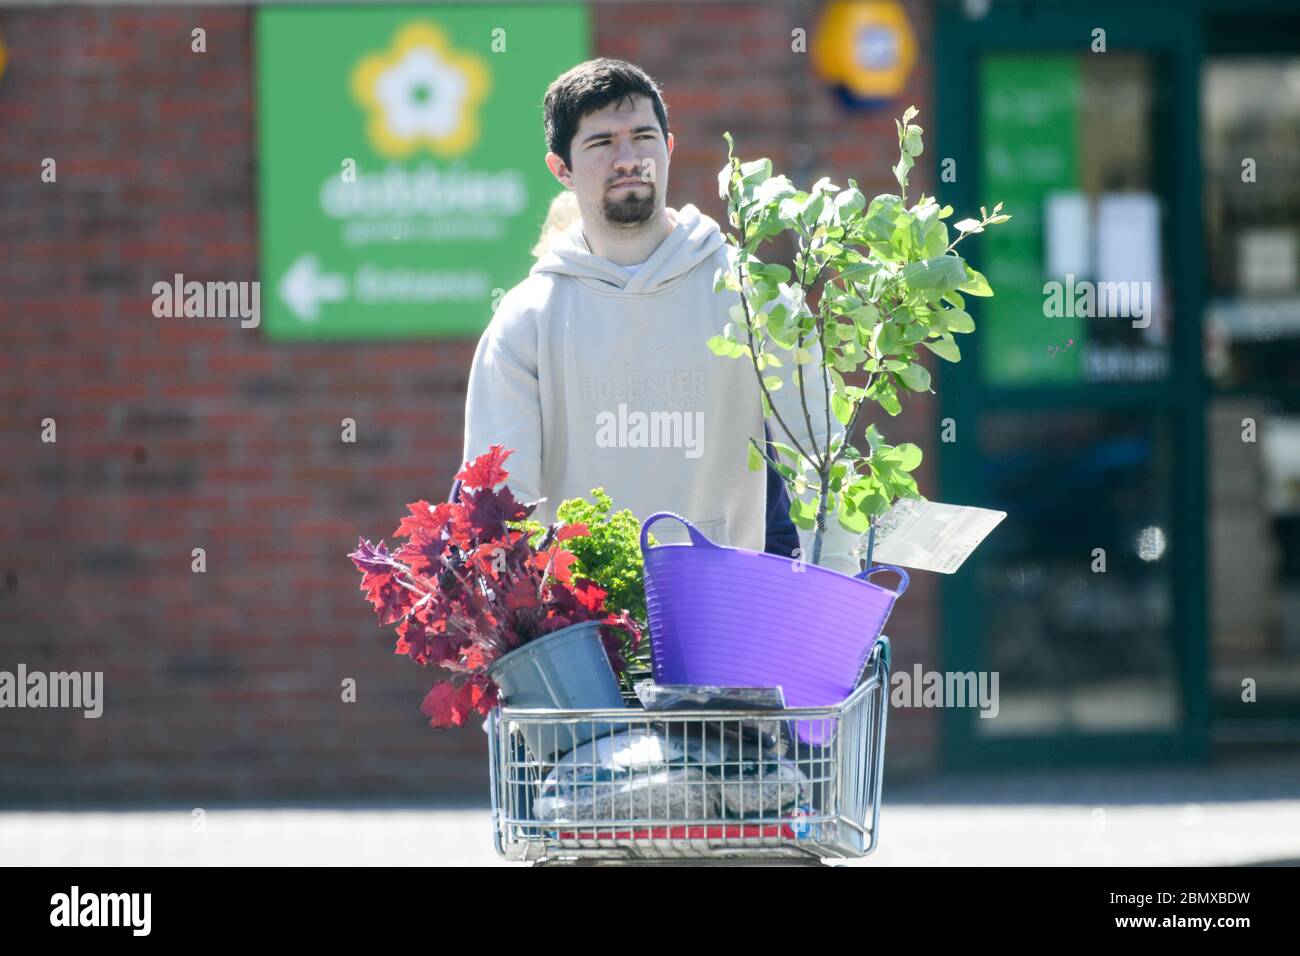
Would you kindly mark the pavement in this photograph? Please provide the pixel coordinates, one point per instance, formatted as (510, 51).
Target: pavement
(1236, 812)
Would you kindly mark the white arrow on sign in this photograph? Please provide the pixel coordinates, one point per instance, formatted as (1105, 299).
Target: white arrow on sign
(304, 287)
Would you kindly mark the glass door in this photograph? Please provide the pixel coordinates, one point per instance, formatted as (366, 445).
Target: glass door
(1250, 110)
(1075, 404)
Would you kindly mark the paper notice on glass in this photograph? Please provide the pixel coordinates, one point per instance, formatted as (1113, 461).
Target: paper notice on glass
(1128, 262)
(1069, 236)
(931, 536)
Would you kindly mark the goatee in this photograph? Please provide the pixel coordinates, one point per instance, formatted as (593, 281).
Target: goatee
(625, 207)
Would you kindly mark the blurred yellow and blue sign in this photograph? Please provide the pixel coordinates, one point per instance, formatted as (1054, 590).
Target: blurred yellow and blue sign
(864, 50)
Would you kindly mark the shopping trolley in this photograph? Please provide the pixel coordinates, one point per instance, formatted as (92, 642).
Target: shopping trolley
(721, 786)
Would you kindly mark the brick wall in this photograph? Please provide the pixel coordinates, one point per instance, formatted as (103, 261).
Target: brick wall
(174, 434)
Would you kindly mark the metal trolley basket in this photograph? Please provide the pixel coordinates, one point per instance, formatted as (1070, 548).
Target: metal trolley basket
(731, 798)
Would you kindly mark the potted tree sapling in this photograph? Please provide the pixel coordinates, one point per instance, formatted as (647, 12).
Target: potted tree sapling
(894, 283)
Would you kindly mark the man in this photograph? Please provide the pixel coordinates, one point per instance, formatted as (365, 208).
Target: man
(594, 369)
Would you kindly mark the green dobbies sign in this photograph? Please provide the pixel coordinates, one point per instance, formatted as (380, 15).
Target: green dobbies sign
(400, 163)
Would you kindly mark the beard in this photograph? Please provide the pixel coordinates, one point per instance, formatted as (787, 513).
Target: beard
(630, 206)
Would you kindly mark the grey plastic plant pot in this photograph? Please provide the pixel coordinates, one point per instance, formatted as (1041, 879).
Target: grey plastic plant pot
(565, 670)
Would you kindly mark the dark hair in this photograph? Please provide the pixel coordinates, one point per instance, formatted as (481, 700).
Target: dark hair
(586, 88)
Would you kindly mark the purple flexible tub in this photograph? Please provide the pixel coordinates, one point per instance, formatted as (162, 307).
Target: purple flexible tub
(730, 617)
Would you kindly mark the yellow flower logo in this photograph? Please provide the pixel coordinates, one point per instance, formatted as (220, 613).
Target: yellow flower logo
(421, 94)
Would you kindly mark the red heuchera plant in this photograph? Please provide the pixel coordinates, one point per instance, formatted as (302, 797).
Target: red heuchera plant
(464, 590)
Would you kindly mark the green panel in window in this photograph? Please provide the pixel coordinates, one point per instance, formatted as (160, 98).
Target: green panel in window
(1029, 136)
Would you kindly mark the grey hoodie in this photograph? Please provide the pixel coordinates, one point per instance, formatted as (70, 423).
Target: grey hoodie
(597, 379)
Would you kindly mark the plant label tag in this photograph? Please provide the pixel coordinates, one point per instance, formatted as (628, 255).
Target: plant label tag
(931, 536)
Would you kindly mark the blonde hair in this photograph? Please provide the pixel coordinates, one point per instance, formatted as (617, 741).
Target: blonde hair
(562, 214)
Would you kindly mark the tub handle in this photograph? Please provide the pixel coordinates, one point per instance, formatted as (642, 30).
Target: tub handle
(902, 576)
(697, 536)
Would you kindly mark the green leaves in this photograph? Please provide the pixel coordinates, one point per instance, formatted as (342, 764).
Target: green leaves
(726, 347)
(869, 486)
(864, 499)
(848, 203)
(956, 320)
(909, 456)
(803, 514)
(945, 348)
(891, 282)
(776, 188)
(874, 438)
(728, 175)
(881, 220)
(975, 284)
(929, 232)
(889, 338)
(841, 408)
(609, 554)
(909, 146)
(810, 209)
(756, 172)
(912, 141)
(937, 274)
(773, 271)
(866, 314)
(882, 391)
(851, 518)
(915, 377)
(901, 170)
(890, 466)
(725, 279)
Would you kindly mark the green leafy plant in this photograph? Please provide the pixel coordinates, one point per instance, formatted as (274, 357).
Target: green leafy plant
(893, 283)
(609, 555)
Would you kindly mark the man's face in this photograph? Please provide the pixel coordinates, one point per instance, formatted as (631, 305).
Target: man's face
(618, 143)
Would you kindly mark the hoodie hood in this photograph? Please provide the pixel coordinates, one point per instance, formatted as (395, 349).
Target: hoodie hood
(694, 239)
